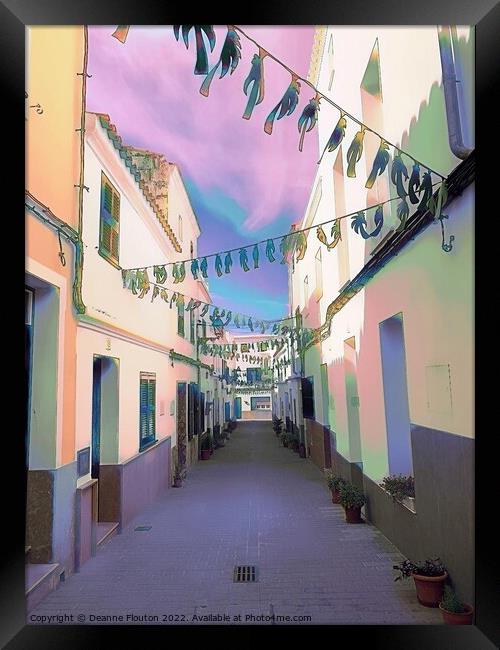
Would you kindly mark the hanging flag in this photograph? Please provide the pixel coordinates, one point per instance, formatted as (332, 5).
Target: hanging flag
(121, 33)
(229, 58)
(354, 152)
(244, 259)
(402, 212)
(218, 265)
(436, 204)
(379, 164)
(414, 183)
(195, 269)
(286, 105)
(255, 78)
(336, 137)
(398, 171)
(255, 256)
(270, 249)
(204, 267)
(228, 263)
(426, 189)
(201, 66)
(160, 273)
(156, 291)
(308, 119)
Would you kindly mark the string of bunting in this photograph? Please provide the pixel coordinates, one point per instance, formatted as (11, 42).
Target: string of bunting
(254, 89)
(137, 281)
(296, 240)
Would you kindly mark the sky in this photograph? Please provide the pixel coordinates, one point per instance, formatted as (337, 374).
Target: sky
(244, 185)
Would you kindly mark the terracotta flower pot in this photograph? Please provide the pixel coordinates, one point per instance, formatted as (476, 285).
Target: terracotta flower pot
(429, 589)
(452, 618)
(205, 454)
(353, 515)
(335, 496)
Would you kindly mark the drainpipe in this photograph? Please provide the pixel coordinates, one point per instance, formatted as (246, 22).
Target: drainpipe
(77, 284)
(450, 81)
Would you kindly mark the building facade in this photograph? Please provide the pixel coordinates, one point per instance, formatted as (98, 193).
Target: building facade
(389, 370)
(54, 114)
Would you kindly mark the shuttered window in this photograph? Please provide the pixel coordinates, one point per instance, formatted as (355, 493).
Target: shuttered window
(109, 231)
(307, 398)
(147, 406)
(180, 316)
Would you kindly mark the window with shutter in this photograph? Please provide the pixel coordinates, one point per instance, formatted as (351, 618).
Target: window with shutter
(109, 230)
(147, 410)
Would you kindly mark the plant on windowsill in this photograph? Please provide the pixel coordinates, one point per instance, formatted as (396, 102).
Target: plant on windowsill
(352, 499)
(401, 488)
(455, 612)
(429, 577)
(334, 483)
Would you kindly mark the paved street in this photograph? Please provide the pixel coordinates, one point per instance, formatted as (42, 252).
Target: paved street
(254, 503)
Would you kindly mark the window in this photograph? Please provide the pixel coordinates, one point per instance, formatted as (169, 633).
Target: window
(180, 228)
(308, 397)
(193, 410)
(147, 407)
(180, 316)
(319, 275)
(191, 326)
(254, 375)
(109, 225)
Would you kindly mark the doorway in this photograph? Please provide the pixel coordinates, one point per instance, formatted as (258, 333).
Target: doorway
(397, 412)
(237, 408)
(352, 400)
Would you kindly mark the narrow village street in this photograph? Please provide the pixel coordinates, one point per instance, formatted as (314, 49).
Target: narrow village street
(253, 503)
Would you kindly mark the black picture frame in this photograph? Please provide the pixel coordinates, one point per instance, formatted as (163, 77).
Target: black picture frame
(485, 14)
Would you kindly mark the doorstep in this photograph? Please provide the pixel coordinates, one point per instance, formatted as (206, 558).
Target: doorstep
(105, 531)
(40, 580)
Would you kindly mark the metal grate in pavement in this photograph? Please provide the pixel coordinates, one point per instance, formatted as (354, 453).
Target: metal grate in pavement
(143, 527)
(245, 574)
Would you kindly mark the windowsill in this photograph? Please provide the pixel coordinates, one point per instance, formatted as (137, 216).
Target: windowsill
(406, 502)
(110, 260)
(147, 445)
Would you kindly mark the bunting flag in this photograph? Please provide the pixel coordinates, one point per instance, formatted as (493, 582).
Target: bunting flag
(294, 243)
(137, 281)
(253, 88)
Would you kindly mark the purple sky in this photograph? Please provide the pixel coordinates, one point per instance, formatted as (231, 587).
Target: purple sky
(244, 184)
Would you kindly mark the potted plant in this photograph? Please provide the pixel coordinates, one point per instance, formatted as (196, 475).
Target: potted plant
(401, 488)
(294, 443)
(284, 438)
(429, 578)
(352, 499)
(277, 425)
(302, 450)
(205, 448)
(334, 483)
(453, 610)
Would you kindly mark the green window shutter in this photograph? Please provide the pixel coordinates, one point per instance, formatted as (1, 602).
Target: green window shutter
(147, 409)
(109, 220)
(144, 409)
(151, 406)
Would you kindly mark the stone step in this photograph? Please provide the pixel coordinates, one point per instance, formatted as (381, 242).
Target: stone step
(41, 579)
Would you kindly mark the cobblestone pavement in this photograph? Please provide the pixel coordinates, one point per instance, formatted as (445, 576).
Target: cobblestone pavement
(254, 502)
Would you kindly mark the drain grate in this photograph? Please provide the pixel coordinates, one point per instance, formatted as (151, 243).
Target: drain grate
(143, 528)
(245, 574)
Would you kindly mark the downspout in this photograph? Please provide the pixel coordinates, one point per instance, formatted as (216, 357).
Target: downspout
(77, 284)
(450, 81)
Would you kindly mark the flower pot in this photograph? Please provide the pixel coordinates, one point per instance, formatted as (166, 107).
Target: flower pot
(429, 589)
(205, 454)
(177, 482)
(452, 618)
(302, 450)
(335, 496)
(285, 443)
(353, 515)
